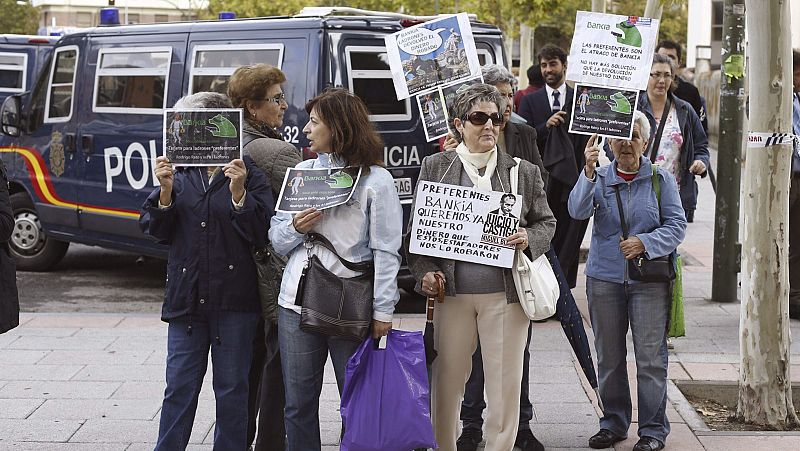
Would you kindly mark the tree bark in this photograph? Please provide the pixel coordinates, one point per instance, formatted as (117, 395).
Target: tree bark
(599, 6)
(653, 9)
(765, 391)
(525, 54)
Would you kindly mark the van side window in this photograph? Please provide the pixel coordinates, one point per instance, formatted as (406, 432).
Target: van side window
(61, 89)
(484, 57)
(132, 80)
(12, 72)
(213, 65)
(370, 78)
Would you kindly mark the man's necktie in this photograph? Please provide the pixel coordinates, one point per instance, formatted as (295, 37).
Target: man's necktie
(556, 103)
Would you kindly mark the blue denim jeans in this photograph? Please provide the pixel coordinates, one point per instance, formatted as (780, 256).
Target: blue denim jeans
(303, 357)
(229, 336)
(645, 306)
(473, 404)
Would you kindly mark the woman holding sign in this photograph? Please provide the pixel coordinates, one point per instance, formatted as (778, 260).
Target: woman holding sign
(481, 299)
(368, 227)
(631, 221)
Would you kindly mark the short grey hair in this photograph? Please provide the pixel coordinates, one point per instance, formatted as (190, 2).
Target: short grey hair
(494, 74)
(664, 59)
(644, 123)
(204, 100)
(468, 98)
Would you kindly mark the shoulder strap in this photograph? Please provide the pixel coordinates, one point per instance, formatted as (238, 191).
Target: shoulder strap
(248, 138)
(621, 213)
(656, 182)
(653, 153)
(513, 176)
(366, 266)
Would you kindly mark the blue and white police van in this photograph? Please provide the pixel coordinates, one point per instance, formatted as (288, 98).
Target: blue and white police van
(21, 57)
(82, 143)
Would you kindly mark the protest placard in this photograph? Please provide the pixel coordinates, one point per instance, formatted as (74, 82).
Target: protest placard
(464, 224)
(317, 188)
(433, 114)
(612, 50)
(432, 54)
(602, 110)
(202, 137)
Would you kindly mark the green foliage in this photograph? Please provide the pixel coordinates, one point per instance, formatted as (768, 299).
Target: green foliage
(18, 19)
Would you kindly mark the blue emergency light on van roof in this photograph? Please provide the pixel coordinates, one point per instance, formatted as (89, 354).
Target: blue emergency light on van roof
(109, 16)
(227, 15)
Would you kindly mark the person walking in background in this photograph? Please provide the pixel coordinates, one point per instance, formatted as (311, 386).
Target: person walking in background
(481, 299)
(682, 147)
(794, 196)
(535, 82)
(211, 218)
(257, 91)
(683, 89)
(657, 226)
(367, 227)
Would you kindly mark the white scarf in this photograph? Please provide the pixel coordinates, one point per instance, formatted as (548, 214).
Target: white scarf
(474, 161)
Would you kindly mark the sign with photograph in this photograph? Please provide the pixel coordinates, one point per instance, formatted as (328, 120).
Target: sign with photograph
(601, 110)
(431, 54)
(202, 137)
(433, 114)
(612, 50)
(464, 224)
(317, 188)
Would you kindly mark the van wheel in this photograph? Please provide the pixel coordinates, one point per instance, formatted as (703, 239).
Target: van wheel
(30, 246)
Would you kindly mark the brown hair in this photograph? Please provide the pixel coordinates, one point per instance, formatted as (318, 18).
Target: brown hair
(251, 83)
(353, 136)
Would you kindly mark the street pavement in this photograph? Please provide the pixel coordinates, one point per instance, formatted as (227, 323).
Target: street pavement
(77, 381)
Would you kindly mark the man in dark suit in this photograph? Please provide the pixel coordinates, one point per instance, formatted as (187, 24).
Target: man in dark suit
(543, 109)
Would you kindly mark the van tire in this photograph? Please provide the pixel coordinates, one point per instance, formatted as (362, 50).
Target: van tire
(31, 247)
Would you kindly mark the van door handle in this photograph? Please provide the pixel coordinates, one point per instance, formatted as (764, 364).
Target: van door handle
(87, 144)
(69, 142)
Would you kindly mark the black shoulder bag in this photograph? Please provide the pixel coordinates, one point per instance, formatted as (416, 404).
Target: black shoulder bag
(332, 305)
(653, 148)
(640, 268)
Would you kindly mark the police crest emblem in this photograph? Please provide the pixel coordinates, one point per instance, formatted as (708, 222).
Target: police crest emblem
(56, 154)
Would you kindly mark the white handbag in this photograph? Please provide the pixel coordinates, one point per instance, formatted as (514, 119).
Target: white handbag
(536, 283)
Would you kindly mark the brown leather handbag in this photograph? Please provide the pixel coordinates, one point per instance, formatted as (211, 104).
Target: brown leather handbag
(332, 305)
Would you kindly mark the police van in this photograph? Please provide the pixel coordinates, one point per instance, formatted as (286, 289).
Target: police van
(84, 140)
(21, 57)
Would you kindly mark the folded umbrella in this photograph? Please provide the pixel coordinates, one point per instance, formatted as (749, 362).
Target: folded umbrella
(430, 351)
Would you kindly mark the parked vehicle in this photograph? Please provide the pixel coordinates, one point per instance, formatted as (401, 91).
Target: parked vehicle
(21, 58)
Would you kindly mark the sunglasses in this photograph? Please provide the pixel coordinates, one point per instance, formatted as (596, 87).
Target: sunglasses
(480, 118)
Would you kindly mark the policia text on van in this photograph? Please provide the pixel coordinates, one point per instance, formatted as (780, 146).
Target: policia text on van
(80, 147)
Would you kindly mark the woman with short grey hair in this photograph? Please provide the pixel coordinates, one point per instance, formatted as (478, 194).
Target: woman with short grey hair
(493, 74)
(481, 297)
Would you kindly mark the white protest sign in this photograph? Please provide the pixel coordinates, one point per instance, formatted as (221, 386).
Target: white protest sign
(432, 54)
(464, 224)
(612, 50)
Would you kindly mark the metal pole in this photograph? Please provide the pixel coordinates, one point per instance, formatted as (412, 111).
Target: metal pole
(727, 251)
(599, 6)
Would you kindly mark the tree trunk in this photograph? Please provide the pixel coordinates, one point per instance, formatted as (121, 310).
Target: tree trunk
(525, 54)
(599, 6)
(765, 391)
(653, 9)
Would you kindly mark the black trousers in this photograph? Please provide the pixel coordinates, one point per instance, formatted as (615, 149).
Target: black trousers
(266, 400)
(567, 240)
(794, 247)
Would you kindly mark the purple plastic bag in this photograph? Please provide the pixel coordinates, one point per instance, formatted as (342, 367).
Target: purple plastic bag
(386, 396)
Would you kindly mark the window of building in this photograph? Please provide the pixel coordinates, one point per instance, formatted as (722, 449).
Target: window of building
(717, 14)
(213, 65)
(370, 78)
(132, 80)
(162, 18)
(84, 19)
(61, 89)
(12, 72)
(134, 18)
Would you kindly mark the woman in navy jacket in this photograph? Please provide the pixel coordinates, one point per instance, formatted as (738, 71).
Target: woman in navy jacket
(211, 218)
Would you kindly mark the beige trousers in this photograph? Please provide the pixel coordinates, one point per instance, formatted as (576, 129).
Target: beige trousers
(503, 330)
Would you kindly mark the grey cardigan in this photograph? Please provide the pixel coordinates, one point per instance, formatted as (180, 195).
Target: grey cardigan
(536, 216)
(271, 155)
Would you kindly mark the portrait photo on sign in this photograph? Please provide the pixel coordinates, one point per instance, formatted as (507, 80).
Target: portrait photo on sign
(464, 224)
(317, 188)
(432, 54)
(604, 111)
(202, 137)
(434, 114)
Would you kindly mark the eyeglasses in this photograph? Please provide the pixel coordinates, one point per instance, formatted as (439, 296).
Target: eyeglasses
(510, 95)
(480, 118)
(661, 76)
(278, 99)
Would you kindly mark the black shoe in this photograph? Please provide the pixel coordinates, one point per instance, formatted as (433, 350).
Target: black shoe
(604, 439)
(526, 441)
(469, 440)
(648, 444)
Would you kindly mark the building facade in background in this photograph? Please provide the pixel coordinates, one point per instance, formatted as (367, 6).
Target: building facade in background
(86, 13)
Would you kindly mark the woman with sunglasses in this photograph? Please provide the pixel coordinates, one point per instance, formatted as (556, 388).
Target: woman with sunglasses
(481, 298)
(681, 146)
(257, 91)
